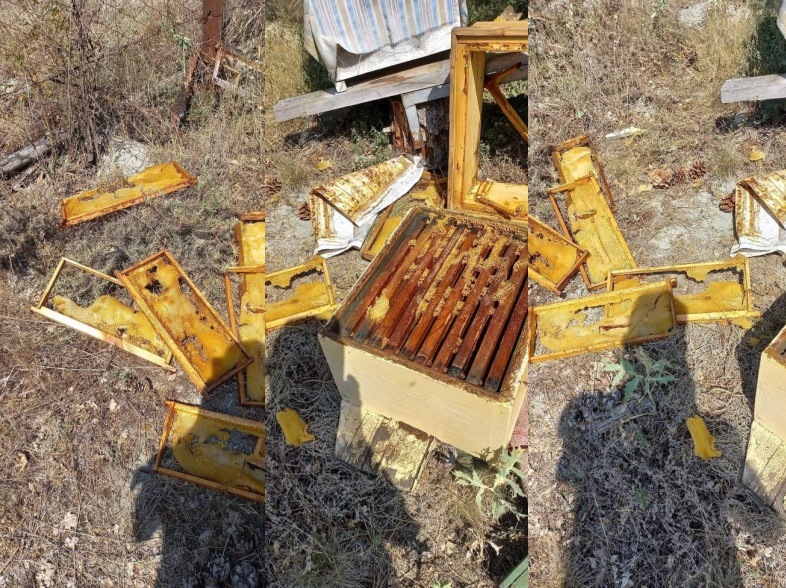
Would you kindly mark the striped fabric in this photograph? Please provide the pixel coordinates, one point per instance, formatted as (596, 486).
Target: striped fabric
(364, 26)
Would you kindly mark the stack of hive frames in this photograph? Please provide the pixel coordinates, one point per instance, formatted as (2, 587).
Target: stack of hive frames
(431, 335)
(249, 324)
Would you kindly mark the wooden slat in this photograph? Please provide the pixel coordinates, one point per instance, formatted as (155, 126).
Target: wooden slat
(758, 88)
(507, 345)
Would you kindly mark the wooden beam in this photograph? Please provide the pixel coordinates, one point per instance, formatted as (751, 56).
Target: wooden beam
(422, 77)
(213, 24)
(759, 88)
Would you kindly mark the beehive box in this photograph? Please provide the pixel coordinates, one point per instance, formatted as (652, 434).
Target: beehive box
(432, 333)
(765, 461)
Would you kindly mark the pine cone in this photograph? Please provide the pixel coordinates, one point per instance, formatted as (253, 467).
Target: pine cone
(271, 186)
(660, 178)
(677, 177)
(304, 212)
(727, 204)
(697, 169)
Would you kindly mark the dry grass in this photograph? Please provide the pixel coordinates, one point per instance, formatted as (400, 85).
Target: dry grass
(632, 505)
(81, 420)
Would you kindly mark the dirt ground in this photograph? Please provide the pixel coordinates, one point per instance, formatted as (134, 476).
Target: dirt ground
(617, 497)
(80, 419)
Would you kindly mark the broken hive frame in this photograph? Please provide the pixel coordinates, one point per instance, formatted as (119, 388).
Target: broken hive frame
(467, 77)
(155, 181)
(161, 359)
(765, 460)
(492, 86)
(509, 200)
(553, 259)
(249, 325)
(205, 445)
(602, 321)
(204, 346)
(232, 62)
(432, 335)
(593, 228)
(716, 300)
(315, 299)
(576, 158)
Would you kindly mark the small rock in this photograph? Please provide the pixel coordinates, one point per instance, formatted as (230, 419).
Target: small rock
(695, 15)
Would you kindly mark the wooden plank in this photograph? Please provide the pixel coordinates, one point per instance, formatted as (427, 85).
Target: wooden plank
(381, 446)
(765, 467)
(415, 79)
(771, 87)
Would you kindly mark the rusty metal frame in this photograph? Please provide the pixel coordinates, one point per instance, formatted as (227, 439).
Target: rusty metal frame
(738, 263)
(594, 301)
(89, 330)
(600, 174)
(603, 204)
(246, 426)
(318, 264)
(187, 181)
(469, 46)
(193, 374)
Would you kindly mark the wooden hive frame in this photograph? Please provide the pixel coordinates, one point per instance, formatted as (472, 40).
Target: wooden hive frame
(603, 209)
(137, 194)
(244, 269)
(397, 376)
(42, 309)
(583, 141)
(557, 287)
(317, 264)
(604, 300)
(242, 425)
(201, 385)
(467, 74)
(739, 263)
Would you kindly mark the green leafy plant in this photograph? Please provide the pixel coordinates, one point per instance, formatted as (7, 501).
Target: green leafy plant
(651, 374)
(441, 584)
(506, 487)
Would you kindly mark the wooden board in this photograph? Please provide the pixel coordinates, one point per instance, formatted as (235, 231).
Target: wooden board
(414, 79)
(202, 343)
(771, 87)
(381, 446)
(765, 467)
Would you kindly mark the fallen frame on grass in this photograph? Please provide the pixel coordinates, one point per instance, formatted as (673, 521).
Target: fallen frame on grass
(577, 158)
(155, 181)
(553, 259)
(106, 319)
(199, 339)
(592, 226)
(712, 300)
(312, 299)
(601, 321)
(248, 324)
(214, 450)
